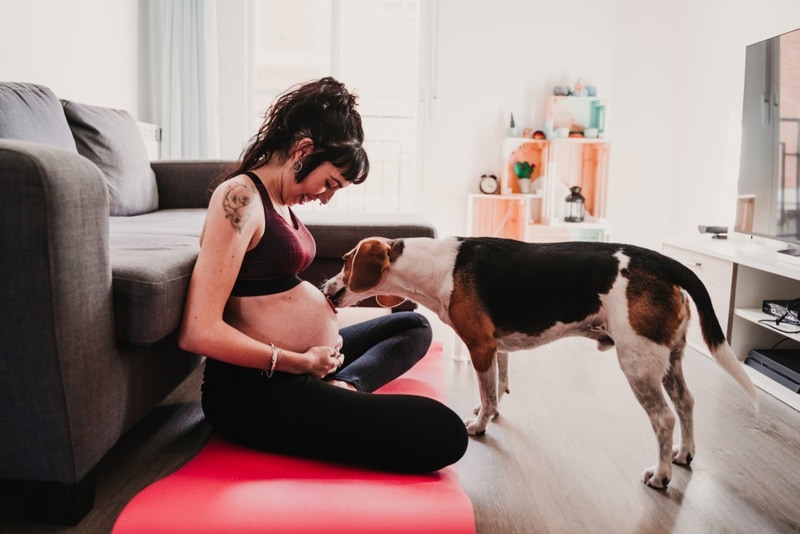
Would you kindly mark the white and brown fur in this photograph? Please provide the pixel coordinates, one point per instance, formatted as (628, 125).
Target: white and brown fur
(501, 295)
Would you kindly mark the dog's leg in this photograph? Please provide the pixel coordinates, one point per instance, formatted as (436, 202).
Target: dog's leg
(502, 381)
(481, 389)
(487, 384)
(476, 330)
(644, 371)
(502, 375)
(683, 401)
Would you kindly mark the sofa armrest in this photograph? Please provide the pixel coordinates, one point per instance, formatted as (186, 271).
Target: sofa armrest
(186, 183)
(56, 318)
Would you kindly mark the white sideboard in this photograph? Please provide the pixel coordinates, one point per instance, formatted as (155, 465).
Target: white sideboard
(740, 273)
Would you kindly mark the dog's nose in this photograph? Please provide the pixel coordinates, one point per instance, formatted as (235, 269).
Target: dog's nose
(334, 298)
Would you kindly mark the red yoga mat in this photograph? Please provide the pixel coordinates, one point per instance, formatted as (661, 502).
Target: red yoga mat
(227, 488)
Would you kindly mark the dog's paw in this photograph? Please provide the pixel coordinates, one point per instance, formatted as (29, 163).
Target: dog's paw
(654, 479)
(474, 427)
(491, 417)
(682, 456)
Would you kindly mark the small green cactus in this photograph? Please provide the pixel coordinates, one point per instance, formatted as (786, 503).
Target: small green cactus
(523, 169)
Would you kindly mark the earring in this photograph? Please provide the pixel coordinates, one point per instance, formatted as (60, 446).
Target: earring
(298, 165)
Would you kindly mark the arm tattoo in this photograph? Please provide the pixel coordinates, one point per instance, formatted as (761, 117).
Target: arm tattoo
(236, 204)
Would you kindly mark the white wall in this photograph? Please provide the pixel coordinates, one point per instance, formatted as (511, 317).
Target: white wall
(672, 72)
(84, 50)
(497, 58)
(646, 113)
(678, 80)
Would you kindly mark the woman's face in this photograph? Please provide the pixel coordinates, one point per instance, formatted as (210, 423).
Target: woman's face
(320, 184)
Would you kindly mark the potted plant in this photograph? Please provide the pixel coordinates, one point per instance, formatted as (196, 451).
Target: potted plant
(524, 170)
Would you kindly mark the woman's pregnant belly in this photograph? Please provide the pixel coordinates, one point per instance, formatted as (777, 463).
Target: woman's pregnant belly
(294, 320)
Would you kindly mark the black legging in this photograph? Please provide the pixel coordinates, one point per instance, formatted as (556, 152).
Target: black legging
(303, 416)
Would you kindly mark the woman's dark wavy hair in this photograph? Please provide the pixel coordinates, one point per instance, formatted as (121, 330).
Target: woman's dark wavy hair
(322, 110)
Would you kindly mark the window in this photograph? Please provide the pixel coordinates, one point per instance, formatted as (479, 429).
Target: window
(373, 47)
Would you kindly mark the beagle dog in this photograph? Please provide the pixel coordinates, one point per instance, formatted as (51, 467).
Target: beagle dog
(502, 295)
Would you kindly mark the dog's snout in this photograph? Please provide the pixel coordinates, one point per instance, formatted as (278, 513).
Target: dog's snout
(332, 288)
(335, 297)
(333, 291)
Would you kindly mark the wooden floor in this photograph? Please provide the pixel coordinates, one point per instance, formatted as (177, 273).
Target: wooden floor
(565, 455)
(567, 451)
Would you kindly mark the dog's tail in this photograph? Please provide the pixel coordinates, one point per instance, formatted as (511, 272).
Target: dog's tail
(724, 355)
(712, 331)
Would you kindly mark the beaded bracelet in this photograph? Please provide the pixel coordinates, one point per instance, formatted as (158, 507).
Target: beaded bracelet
(271, 369)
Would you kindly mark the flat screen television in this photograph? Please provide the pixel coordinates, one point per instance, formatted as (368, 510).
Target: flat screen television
(768, 204)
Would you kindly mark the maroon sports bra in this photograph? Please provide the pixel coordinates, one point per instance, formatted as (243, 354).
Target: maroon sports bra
(283, 251)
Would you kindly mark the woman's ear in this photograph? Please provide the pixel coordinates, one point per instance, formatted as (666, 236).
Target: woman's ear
(304, 147)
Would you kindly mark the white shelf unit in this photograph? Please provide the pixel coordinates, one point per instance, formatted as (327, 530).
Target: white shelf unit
(538, 216)
(744, 272)
(520, 216)
(559, 164)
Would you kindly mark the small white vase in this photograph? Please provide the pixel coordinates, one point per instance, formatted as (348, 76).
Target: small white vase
(524, 185)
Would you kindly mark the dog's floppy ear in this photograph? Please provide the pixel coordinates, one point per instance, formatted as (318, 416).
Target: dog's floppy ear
(364, 265)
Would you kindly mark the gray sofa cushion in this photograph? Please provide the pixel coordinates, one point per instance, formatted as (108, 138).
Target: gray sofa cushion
(110, 139)
(152, 257)
(183, 222)
(31, 112)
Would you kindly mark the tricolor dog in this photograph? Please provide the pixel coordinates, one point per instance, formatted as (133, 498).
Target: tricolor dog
(501, 295)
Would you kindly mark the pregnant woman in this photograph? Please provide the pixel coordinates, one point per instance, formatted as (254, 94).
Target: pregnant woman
(279, 375)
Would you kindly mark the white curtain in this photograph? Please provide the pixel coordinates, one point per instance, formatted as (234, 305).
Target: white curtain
(185, 77)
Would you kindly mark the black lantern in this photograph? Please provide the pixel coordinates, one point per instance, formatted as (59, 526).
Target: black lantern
(575, 205)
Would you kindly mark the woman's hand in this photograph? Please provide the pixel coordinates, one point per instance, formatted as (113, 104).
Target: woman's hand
(324, 361)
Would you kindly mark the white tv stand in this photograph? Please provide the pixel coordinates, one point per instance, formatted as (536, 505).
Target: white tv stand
(740, 272)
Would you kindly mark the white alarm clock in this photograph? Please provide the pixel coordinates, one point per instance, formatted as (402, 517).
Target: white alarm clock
(488, 184)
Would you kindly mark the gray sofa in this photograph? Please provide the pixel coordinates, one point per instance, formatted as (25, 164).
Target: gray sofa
(96, 249)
